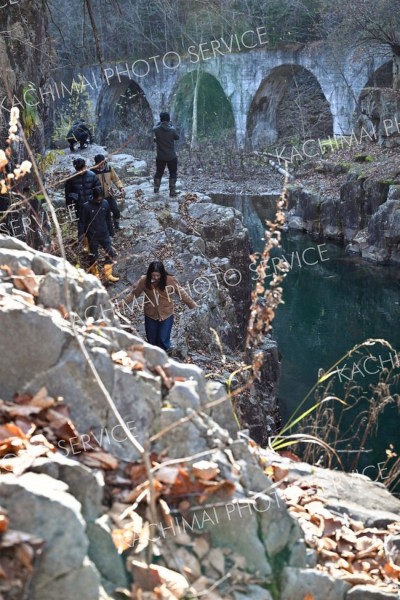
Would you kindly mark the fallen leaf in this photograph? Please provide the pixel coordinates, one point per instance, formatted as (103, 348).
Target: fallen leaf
(188, 563)
(332, 525)
(183, 485)
(201, 584)
(392, 570)
(12, 538)
(291, 455)
(26, 280)
(42, 399)
(25, 554)
(280, 473)
(11, 430)
(167, 475)
(4, 522)
(292, 494)
(102, 460)
(22, 410)
(225, 488)
(123, 539)
(64, 429)
(163, 593)
(63, 311)
(205, 469)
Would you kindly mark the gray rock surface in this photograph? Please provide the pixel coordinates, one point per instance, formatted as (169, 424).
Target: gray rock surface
(83, 483)
(369, 592)
(297, 583)
(102, 552)
(347, 493)
(42, 506)
(365, 215)
(256, 593)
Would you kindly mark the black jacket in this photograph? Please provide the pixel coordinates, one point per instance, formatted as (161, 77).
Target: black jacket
(95, 220)
(80, 133)
(165, 136)
(79, 189)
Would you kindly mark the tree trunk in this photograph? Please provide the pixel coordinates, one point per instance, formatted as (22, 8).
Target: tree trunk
(193, 142)
(396, 71)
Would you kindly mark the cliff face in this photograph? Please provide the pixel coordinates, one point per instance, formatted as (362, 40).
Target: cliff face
(262, 533)
(153, 396)
(364, 214)
(352, 193)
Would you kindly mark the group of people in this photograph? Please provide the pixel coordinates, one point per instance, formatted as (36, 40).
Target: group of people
(90, 193)
(165, 136)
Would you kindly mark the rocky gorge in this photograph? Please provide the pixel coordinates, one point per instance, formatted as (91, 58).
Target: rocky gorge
(350, 193)
(70, 481)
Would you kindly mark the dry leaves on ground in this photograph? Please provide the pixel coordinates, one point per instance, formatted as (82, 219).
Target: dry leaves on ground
(346, 548)
(34, 426)
(18, 552)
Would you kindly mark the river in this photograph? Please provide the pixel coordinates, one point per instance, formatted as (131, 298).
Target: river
(333, 301)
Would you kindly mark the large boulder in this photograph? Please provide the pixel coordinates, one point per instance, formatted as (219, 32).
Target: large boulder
(42, 506)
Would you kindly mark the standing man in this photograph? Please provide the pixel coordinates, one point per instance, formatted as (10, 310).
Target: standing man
(108, 177)
(165, 136)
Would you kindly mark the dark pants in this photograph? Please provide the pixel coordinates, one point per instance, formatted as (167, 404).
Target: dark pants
(112, 203)
(158, 333)
(82, 140)
(172, 168)
(104, 242)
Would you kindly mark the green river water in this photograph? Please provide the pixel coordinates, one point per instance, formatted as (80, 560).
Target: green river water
(331, 306)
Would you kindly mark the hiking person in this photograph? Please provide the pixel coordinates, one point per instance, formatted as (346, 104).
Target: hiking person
(79, 188)
(108, 177)
(96, 224)
(79, 133)
(158, 287)
(165, 136)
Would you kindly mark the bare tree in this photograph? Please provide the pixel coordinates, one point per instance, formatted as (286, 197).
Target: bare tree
(366, 24)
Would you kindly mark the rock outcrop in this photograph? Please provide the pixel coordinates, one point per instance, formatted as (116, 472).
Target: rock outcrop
(207, 247)
(153, 393)
(364, 215)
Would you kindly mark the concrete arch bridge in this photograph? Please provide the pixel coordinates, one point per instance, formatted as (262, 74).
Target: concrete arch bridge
(254, 93)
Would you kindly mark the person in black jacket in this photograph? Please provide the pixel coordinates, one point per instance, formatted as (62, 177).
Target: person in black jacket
(79, 133)
(165, 136)
(79, 188)
(96, 224)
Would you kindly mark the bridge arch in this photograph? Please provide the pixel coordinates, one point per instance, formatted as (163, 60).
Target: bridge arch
(215, 111)
(289, 105)
(377, 108)
(124, 112)
(381, 77)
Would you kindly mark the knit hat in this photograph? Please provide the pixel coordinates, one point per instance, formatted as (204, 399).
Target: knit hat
(164, 116)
